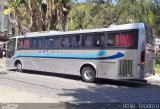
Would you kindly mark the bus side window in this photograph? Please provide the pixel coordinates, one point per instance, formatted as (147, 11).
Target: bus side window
(98, 40)
(20, 43)
(46, 42)
(57, 42)
(111, 41)
(40, 42)
(66, 42)
(26, 43)
(93, 40)
(36, 42)
(52, 42)
(122, 39)
(75, 41)
(127, 39)
(87, 41)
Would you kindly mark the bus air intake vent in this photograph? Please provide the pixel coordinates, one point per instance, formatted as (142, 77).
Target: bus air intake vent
(125, 68)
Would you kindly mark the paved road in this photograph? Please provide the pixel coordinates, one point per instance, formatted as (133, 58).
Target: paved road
(71, 89)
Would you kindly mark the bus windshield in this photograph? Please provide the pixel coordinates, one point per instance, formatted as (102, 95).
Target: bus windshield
(10, 48)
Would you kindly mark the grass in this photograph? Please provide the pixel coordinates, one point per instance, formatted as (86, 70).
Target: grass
(157, 68)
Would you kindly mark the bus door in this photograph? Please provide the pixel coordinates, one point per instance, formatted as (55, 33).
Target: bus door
(10, 48)
(149, 60)
(150, 52)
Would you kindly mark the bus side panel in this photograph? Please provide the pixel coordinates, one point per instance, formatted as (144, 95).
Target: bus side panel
(63, 62)
(31, 60)
(119, 68)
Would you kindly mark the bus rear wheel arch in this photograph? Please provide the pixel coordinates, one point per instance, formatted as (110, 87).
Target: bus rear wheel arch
(88, 73)
(18, 66)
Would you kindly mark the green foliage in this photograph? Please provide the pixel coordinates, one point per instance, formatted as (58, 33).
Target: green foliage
(104, 16)
(71, 15)
(79, 17)
(98, 15)
(157, 68)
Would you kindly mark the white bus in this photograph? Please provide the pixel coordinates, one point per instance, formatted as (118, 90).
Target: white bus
(118, 52)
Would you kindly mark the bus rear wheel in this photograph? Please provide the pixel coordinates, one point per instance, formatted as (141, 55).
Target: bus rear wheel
(88, 74)
(19, 67)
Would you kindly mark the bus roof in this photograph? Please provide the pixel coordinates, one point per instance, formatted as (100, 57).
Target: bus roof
(111, 28)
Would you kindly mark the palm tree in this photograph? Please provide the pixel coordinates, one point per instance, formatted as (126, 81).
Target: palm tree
(62, 8)
(16, 14)
(41, 15)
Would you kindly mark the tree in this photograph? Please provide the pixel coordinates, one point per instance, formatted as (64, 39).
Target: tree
(79, 17)
(41, 15)
(104, 16)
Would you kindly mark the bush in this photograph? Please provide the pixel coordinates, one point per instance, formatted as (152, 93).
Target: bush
(158, 57)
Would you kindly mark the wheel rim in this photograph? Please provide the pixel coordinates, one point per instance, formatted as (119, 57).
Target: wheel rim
(88, 74)
(19, 66)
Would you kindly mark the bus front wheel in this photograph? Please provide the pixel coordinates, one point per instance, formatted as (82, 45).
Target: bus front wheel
(88, 74)
(19, 67)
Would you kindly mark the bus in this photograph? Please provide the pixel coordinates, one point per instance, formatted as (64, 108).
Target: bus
(118, 52)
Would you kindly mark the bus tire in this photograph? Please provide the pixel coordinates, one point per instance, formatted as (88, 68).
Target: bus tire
(19, 67)
(88, 74)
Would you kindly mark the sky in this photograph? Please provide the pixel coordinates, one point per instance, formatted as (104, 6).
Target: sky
(81, 0)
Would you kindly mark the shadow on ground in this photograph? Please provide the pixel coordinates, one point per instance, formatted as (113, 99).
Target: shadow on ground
(104, 91)
(114, 94)
(99, 81)
(66, 105)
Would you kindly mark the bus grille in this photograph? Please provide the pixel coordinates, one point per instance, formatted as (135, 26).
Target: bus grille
(125, 68)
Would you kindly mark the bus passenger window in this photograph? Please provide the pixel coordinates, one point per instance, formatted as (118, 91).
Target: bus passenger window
(20, 43)
(75, 41)
(26, 43)
(36, 42)
(98, 40)
(93, 40)
(122, 39)
(52, 42)
(111, 39)
(127, 39)
(66, 42)
(40, 43)
(46, 43)
(71, 41)
(57, 42)
(87, 41)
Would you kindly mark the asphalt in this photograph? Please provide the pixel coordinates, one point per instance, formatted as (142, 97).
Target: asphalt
(8, 94)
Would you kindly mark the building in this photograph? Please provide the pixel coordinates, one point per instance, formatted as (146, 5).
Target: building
(6, 28)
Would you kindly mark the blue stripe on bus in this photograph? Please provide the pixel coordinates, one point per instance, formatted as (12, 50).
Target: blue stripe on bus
(100, 53)
(61, 56)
